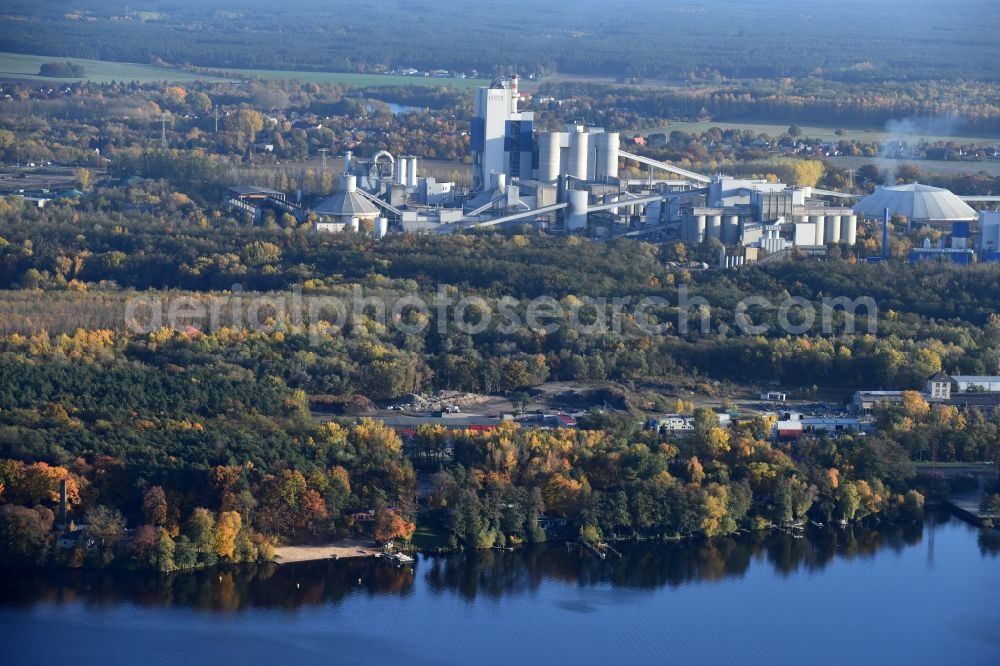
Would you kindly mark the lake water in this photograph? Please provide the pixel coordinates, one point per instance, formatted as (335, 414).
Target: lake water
(906, 594)
(396, 109)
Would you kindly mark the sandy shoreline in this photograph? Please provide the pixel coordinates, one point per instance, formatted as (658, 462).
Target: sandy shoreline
(336, 550)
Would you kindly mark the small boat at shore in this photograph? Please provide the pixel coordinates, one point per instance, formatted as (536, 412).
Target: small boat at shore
(401, 559)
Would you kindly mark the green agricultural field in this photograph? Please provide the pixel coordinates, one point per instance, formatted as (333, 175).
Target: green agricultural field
(359, 80)
(21, 66)
(932, 167)
(823, 133)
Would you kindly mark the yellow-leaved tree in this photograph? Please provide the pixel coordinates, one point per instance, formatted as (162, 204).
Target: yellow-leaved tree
(227, 527)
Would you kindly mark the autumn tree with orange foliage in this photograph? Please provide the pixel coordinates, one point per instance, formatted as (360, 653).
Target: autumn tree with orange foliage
(390, 524)
(36, 483)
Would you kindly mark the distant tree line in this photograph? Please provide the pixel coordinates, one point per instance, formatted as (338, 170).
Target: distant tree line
(718, 40)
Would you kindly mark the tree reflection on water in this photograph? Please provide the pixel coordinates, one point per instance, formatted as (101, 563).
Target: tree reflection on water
(643, 566)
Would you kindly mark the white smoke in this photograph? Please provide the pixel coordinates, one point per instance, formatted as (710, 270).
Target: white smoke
(902, 136)
(942, 125)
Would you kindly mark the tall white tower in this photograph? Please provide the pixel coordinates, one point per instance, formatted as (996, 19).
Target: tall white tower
(501, 135)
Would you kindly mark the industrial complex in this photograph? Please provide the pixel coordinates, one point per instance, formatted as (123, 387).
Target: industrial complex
(569, 181)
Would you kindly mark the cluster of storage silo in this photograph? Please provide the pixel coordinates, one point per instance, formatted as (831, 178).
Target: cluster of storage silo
(584, 154)
(830, 227)
(406, 171)
(812, 227)
(701, 225)
(824, 226)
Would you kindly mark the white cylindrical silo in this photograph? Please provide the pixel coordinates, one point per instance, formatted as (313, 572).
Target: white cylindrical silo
(579, 144)
(401, 166)
(730, 229)
(818, 220)
(411, 173)
(355, 224)
(714, 227)
(608, 144)
(699, 229)
(381, 227)
(848, 229)
(576, 213)
(831, 234)
(548, 156)
(348, 183)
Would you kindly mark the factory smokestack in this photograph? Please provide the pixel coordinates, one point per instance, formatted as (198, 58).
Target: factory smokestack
(885, 235)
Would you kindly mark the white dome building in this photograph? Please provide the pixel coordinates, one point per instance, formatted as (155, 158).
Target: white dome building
(920, 204)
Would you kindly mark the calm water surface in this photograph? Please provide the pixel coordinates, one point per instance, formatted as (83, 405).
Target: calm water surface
(906, 594)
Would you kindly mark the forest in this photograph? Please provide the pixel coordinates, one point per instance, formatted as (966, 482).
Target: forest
(211, 460)
(200, 442)
(672, 40)
(185, 447)
(930, 317)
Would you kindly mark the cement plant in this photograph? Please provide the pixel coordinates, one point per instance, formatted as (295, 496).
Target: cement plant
(568, 332)
(568, 182)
